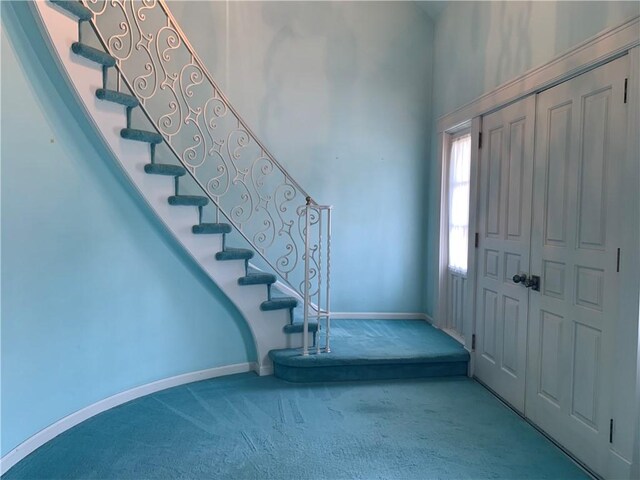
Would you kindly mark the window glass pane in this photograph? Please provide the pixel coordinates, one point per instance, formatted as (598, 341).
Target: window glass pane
(459, 171)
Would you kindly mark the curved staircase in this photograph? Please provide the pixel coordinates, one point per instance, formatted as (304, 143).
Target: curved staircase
(269, 301)
(268, 310)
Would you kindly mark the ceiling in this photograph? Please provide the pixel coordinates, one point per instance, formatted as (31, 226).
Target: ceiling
(432, 8)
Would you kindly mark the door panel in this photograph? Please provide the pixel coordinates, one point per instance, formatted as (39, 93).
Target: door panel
(504, 220)
(580, 138)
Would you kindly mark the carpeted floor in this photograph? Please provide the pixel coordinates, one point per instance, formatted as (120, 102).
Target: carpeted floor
(249, 427)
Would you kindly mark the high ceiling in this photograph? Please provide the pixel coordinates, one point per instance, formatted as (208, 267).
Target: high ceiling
(432, 8)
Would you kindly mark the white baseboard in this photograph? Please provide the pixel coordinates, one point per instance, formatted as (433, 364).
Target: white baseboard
(381, 316)
(52, 431)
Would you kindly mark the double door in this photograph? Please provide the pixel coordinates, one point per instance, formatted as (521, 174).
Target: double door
(546, 286)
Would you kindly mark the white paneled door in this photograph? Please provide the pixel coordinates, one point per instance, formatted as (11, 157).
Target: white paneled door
(580, 140)
(547, 260)
(504, 227)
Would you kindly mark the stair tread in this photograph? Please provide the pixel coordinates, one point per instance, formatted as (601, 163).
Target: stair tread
(257, 278)
(165, 169)
(279, 303)
(298, 327)
(141, 135)
(188, 200)
(93, 54)
(76, 8)
(230, 253)
(117, 97)
(211, 228)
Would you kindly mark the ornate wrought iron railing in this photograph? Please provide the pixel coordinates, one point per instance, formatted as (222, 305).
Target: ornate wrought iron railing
(246, 184)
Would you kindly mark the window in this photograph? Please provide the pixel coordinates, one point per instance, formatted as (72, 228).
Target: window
(459, 171)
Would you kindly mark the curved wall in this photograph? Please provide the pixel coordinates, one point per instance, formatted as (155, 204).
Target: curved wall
(96, 297)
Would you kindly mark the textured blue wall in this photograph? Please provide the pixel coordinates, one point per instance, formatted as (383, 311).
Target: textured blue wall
(96, 298)
(340, 93)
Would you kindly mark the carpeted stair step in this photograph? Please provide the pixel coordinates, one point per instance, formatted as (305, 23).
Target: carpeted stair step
(257, 278)
(75, 8)
(117, 97)
(279, 303)
(375, 350)
(298, 327)
(141, 135)
(188, 200)
(211, 228)
(93, 54)
(165, 169)
(234, 254)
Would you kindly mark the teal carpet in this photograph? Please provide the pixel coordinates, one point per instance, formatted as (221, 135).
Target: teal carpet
(249, 427)
(375, 350)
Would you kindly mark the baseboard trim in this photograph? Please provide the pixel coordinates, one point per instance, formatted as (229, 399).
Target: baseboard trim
(70, 421)
(381, 316)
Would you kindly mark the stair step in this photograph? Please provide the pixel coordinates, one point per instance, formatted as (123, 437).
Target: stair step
(188, 200)
(279, 304)
(234, 254)
(140, 135)
(211, 228)
(93, 54)
(164, 169)
(117, 97)
(257, 278)
(75, 8)
(298, 327)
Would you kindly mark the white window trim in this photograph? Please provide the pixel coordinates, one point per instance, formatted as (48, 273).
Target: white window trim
(447, 182)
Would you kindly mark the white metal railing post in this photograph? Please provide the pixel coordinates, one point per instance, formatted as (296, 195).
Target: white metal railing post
(319, 300)
(328, 296)
(305, 326)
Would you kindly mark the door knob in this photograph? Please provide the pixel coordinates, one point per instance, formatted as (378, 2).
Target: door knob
(522, 278)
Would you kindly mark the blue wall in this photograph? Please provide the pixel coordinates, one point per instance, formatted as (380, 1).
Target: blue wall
(481, 45)
(340, 93)
(96, 298)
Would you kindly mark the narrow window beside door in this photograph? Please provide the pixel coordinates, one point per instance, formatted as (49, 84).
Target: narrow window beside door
(459, 170)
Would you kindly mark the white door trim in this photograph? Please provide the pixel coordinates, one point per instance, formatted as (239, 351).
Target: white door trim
(599, 49)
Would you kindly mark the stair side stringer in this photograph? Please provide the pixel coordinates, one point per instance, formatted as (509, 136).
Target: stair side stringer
(59, 31)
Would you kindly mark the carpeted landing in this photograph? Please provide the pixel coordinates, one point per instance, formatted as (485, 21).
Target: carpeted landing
(249, 427)
(375, 350)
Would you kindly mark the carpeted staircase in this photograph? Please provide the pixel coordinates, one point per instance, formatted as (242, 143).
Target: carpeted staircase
(275, 299)
(395, 349)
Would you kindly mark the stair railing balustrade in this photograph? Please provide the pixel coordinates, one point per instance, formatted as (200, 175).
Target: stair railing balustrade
(200, 127)
(317, 296)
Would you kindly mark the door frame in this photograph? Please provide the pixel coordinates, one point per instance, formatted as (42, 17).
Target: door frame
(604, 47)
(607, 45)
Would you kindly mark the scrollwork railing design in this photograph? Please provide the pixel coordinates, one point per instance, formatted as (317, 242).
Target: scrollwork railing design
(201, 128)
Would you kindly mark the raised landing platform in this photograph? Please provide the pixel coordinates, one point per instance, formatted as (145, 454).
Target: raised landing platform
(375, 350)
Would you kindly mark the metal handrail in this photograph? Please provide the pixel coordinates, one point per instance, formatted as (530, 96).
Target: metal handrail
(242, 127)
(309, 305)
(186, 42)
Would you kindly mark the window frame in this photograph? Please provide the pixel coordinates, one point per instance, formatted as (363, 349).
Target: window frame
(451, 138)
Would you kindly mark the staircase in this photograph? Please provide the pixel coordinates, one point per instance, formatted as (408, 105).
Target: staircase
(270, 302)
(212, 183)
